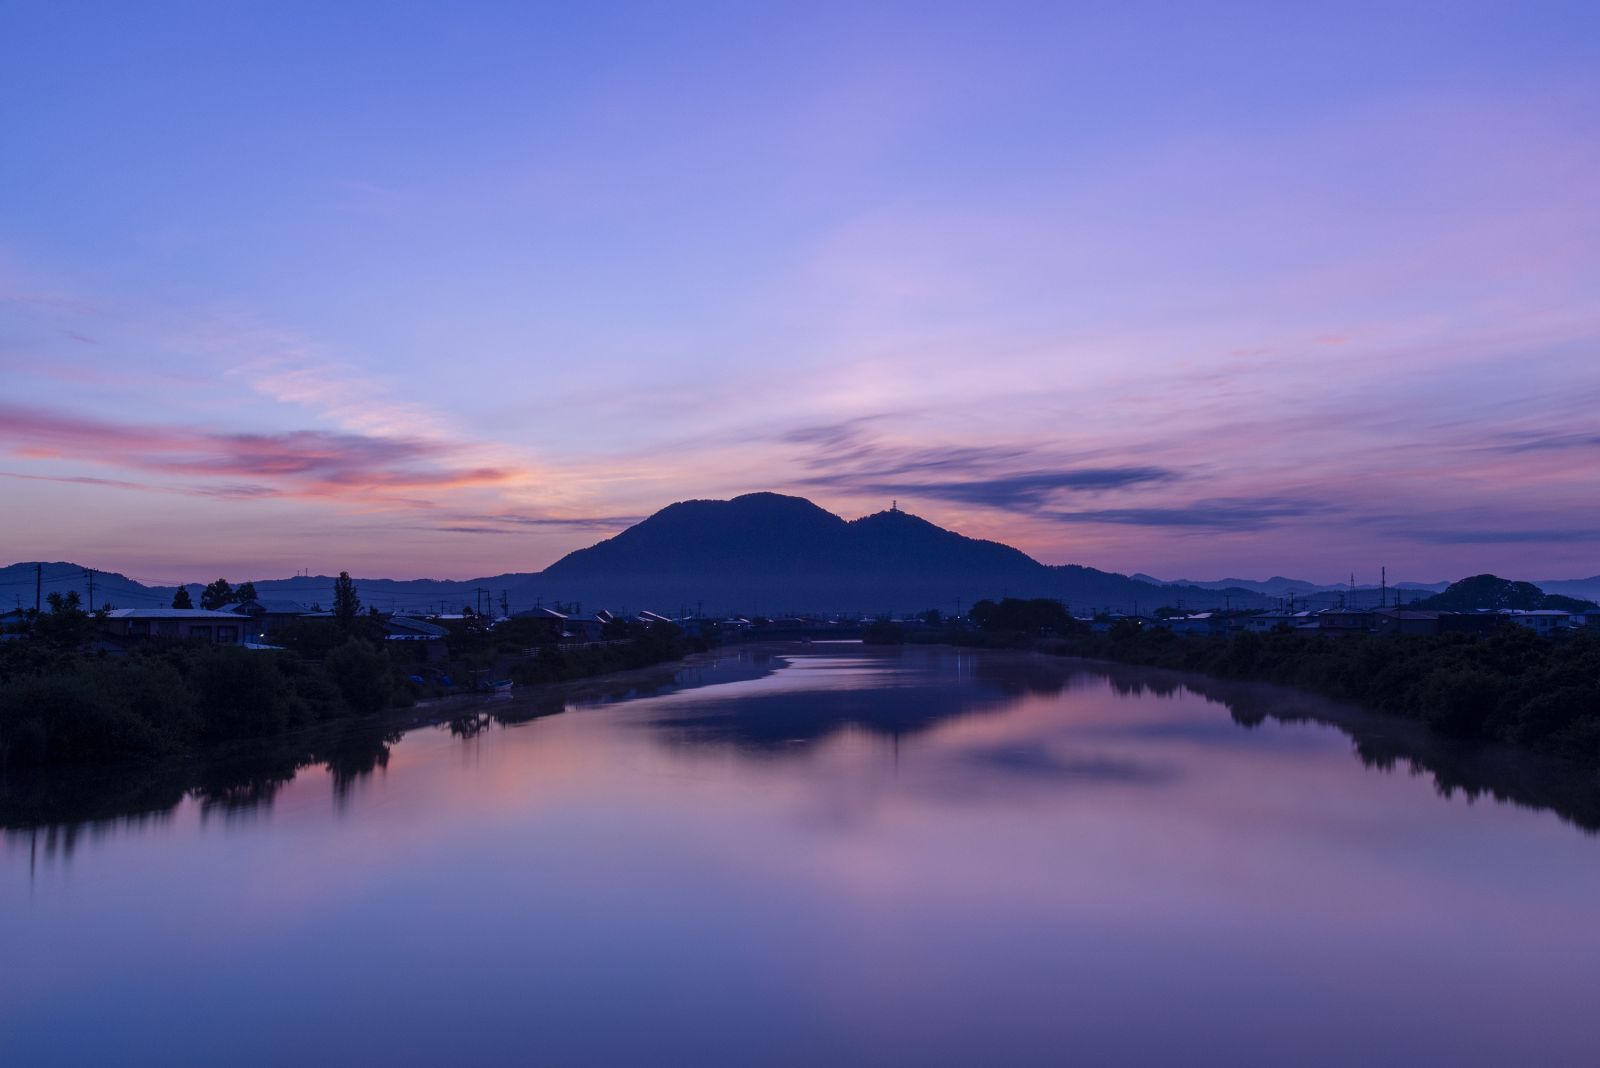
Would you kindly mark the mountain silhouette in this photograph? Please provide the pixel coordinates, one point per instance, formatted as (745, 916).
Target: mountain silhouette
(763, 553)
(766, 552)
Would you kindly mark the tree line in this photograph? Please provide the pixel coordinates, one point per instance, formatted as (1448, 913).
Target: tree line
(1509, 686)
(62, 700)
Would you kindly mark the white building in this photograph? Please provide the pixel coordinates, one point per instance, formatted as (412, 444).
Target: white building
(1540, 621)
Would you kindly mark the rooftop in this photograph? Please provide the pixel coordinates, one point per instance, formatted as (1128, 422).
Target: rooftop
(171, 613)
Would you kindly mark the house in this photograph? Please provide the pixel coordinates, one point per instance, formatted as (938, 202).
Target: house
(175, 624)
(268, 615)
(424, 639)
(550, 625)
(589, 628)
(1406, 621)
(1470, 622)
(403, 626)
(1199, 623)
(1335, 621)
(1545, 621)
(1267, 622)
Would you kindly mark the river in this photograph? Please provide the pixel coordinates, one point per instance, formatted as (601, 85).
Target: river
(825, 854)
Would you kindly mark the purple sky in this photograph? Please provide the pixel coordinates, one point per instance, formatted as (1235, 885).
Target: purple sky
(1196, 290)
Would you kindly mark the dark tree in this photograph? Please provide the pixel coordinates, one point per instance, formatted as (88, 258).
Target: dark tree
(346, 605)
(216, 595)
(883, 631)
(66, 625)
(181, 599)
(1038, 616)
(245, 592)
(61, 606)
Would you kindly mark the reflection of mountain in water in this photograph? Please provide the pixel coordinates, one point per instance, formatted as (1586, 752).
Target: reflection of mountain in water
(890, 694)
(895, 695)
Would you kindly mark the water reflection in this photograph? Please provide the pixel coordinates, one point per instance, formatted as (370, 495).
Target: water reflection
(821, 856)
(883, 693)
(241, 781)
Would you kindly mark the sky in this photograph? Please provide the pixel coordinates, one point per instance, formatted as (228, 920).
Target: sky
(448, 290)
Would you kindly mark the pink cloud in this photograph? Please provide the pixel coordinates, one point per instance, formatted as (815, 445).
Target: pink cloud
(304, 463)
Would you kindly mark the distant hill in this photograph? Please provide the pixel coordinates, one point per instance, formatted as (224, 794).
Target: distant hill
(1494, 593)
(18, 586)
(760, 553)
(1279, 586)
(1588, 589)
(1276, 586)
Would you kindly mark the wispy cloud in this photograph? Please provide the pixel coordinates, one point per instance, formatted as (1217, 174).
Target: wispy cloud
(231, 492)
(354, 402)
(1215, 514)
(1029, 491)
(1530, 442)
(521, 524)
(1008, 477)
(304, 463)
(1502, 536)
(586, 522)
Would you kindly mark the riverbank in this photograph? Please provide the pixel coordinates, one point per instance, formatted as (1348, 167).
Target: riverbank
(74, 706)
(1473, 767)
(243, 774)
(1512, 687)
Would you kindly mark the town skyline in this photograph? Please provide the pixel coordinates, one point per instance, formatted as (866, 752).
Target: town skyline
(1287, 293)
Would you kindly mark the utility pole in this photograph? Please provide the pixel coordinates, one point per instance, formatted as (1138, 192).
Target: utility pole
(505, 606)
(89, 573)
(38, 587)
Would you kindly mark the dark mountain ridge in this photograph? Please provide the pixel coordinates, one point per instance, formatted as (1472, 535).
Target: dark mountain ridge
(758, 553)
(766, 552)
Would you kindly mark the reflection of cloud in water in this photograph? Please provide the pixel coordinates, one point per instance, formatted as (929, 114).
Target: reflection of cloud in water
(1382, 743)
(1039, 762)
(981, 720)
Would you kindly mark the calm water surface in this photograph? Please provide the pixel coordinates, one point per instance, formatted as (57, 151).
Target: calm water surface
(833, 856)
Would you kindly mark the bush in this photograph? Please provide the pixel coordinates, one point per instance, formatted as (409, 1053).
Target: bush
(1459, 702)
(240, 693)
(883, 632)
(362, 676)
(66, 718)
